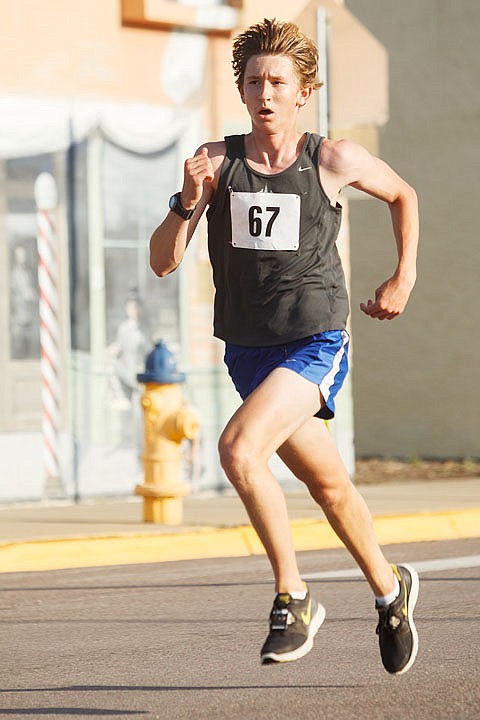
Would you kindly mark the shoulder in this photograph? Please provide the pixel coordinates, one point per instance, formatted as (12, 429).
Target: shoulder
(341, 154)
(343, 158)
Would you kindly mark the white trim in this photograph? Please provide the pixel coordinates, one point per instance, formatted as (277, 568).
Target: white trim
(329, 378)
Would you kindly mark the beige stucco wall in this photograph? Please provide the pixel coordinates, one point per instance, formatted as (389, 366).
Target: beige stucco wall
(417, 379)
(67, 47)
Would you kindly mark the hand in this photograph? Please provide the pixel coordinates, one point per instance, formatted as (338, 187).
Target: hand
(197, 171)
(390, 299)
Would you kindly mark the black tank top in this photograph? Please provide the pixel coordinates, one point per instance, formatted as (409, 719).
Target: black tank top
(271, 240)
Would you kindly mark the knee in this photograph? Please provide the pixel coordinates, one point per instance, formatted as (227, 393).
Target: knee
(236, 458)
(330, 494)
(232, 452)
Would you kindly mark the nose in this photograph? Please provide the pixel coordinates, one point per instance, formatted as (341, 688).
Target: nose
(265, 90)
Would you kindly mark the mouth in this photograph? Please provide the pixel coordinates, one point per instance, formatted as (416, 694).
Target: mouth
(264, 112)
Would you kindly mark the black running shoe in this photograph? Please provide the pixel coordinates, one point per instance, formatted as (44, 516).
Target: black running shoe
(293, 625)
(396, 630)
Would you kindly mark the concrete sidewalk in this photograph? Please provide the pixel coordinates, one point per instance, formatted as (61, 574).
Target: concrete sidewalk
(108, 532)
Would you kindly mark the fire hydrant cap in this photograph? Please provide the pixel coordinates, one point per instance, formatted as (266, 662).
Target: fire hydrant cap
(161, 367)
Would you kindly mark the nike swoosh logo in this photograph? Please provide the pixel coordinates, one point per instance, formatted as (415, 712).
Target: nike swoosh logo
(405, 604)
(306, 616)
(303, 169)
(402, 583)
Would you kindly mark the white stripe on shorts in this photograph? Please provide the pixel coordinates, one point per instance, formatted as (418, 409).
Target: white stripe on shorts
(329, 378)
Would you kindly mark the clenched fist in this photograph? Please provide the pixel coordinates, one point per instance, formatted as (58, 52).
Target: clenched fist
(390, 300)
(198, 170)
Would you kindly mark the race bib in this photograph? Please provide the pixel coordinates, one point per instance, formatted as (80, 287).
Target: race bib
(265, 221)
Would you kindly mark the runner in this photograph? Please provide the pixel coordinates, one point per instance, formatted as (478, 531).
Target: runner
(281, 307)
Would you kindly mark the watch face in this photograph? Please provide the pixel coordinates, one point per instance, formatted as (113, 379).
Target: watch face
(176, 206)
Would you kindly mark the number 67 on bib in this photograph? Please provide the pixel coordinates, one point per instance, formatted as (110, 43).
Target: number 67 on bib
(265, 221)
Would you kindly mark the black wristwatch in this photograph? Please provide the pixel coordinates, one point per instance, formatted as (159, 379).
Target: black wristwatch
(176, 206)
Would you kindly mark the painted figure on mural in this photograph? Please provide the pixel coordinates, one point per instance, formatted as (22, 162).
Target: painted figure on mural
(130, 345)
(128, 351)
(272, 200)
(23, 307)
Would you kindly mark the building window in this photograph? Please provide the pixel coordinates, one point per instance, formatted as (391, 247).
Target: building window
(140, 308)
(21, 226)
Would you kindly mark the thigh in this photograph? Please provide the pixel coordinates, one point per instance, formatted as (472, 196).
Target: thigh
(275, 410)
(312, 456)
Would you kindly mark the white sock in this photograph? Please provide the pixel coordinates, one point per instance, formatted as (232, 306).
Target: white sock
(296, 594)
(387, 599)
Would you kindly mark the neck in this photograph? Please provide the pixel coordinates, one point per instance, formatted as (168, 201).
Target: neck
(273, 152)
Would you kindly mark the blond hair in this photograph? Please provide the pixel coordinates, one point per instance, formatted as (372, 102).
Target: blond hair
(273, 37)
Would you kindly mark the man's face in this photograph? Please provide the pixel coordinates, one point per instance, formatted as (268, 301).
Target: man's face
(21, 255)
(271, 91)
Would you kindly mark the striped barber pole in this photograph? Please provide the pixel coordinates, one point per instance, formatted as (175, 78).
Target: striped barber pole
(49, 325)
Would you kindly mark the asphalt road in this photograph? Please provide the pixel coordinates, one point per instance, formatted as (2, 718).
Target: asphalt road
(182, 640)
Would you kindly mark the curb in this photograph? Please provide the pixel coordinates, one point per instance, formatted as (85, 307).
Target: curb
(213, 542)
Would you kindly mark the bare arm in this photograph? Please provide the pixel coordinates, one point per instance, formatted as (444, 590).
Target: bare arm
(170, 239)
(350, 164)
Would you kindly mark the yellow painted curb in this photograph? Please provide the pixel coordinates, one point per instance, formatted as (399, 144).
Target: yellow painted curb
(391, 529)
(58, 554)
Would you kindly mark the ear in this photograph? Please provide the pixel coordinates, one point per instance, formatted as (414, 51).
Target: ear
(242, 94)
(303, 95)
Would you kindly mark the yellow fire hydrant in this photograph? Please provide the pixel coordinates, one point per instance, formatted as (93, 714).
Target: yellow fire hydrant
(167, 421)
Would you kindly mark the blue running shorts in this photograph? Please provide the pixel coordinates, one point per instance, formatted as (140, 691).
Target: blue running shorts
(322, 359)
